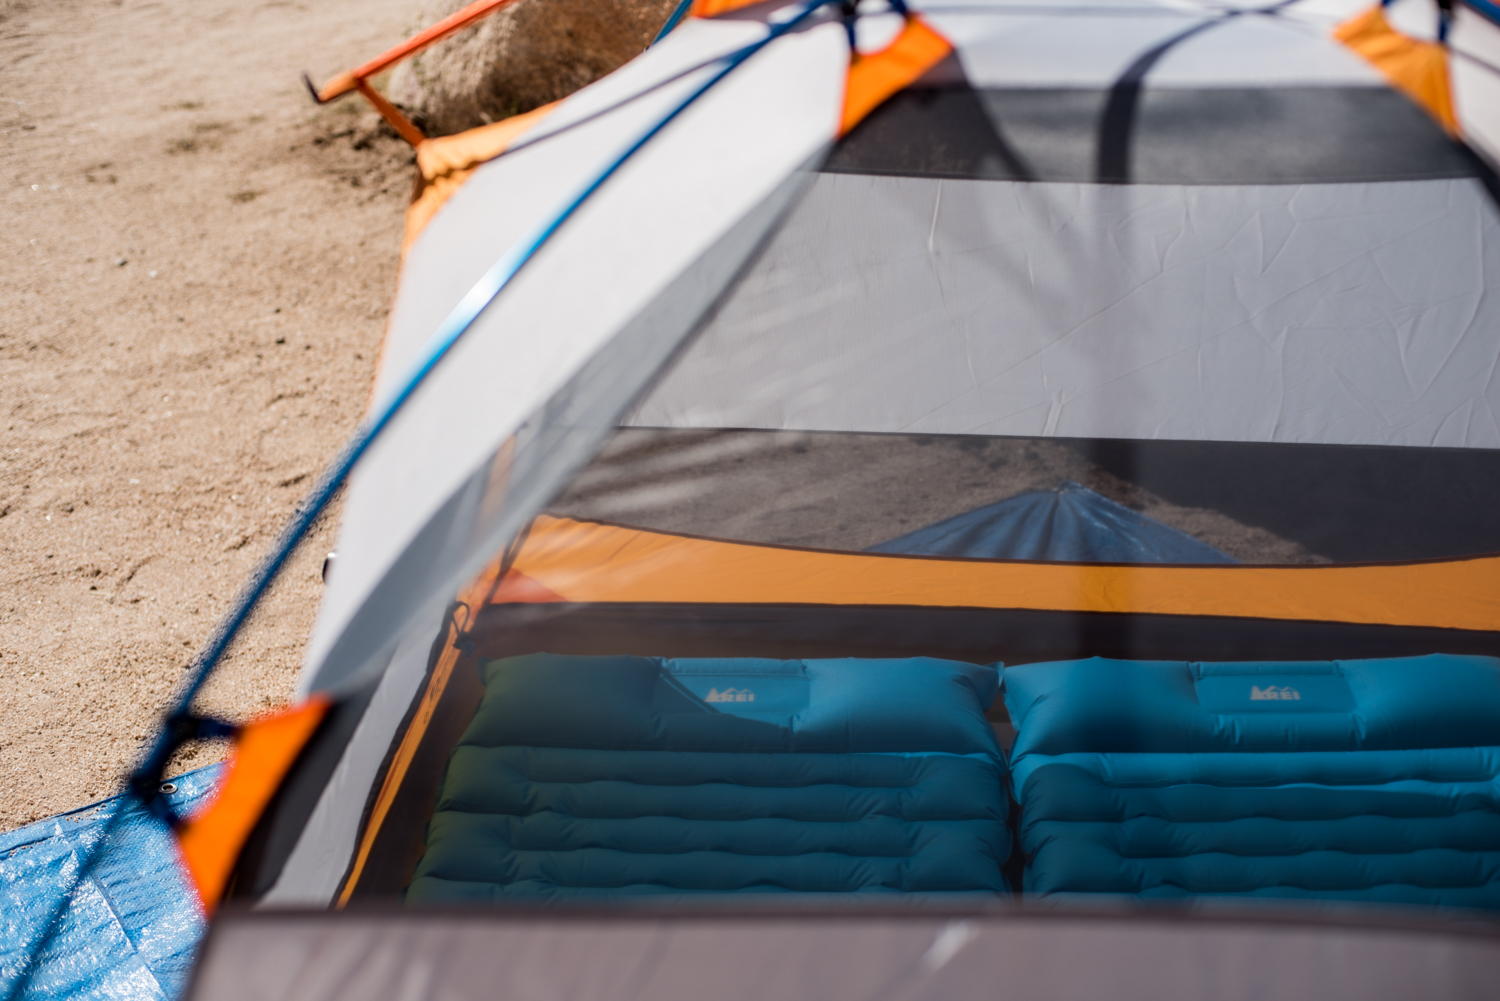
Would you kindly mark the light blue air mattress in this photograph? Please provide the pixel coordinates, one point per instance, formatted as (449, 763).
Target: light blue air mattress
(1370, 780)
(588, 776)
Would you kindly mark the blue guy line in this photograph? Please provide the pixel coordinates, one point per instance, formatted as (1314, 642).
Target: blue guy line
(458, 322)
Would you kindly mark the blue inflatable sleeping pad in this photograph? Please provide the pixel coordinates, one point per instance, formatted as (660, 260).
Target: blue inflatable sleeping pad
(1370, 780)
(583, 776)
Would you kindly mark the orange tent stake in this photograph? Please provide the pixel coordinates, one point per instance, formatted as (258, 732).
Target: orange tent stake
(356, 78)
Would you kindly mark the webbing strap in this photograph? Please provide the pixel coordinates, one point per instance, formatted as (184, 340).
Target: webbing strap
(1416, 68)
(875, 77)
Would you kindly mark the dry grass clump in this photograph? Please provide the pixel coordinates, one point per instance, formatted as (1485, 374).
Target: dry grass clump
(523, 57)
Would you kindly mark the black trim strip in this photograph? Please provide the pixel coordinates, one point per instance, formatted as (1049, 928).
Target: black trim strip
(1145, 135)
(978, 635)
(1116, 125)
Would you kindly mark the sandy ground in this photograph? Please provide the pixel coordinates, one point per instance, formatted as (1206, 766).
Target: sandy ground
(197, 265)
(521, 58)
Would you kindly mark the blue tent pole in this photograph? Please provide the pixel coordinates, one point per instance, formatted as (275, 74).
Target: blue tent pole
(458, 322)
(1485, 8)
(678, 13)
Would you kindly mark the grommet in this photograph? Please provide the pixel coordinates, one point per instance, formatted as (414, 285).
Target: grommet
(167, 788)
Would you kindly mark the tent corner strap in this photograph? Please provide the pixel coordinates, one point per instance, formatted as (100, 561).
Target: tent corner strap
(181, 728)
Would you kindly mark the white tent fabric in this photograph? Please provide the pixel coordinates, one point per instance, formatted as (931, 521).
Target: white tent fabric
(316, 864)
(1335, 313)
(727, 154)
(1035, 48)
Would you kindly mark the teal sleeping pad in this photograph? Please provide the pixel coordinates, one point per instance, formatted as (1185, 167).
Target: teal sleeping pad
(582, 777)
(1361, 780)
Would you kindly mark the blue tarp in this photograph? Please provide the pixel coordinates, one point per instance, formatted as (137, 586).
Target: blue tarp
(132, 928)
(1069, 524)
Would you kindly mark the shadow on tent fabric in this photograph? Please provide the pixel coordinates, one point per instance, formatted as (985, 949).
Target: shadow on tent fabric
(1069, 523)
(132, 928)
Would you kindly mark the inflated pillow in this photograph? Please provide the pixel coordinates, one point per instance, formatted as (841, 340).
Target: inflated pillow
(582, 776)
(1373, 780)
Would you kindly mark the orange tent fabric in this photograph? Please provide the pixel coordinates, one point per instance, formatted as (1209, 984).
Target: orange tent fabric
(564, 559)
(444, 163)
(1416, 68)
(264, 752)
(877, 76)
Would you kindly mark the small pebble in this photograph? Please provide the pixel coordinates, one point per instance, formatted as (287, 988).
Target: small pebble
(120, 262)
(153, 274)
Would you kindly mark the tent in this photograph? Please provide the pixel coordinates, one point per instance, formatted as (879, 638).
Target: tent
(615, 687)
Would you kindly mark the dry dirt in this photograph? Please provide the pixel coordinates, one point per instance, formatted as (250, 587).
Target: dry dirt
(520, 58)
(197, 268)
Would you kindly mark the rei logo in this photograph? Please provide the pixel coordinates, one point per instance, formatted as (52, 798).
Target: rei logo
(729, 695)
(1285, 693)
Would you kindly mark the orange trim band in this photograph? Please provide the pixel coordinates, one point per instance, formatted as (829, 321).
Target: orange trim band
(264, 752)
(875, 77)
(1418, 69)
(396, 774)
(518, 589)
(442, 672)
(592, 562)
(445, 163)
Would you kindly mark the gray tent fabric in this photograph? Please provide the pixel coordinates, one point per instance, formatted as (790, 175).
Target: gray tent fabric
(1069, 523)
(842, 956)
